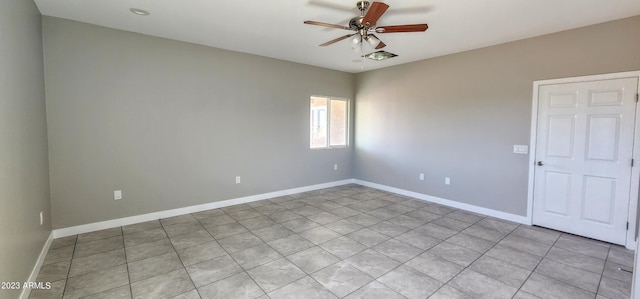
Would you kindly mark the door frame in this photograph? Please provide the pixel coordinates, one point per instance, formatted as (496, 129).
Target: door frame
(635, 171)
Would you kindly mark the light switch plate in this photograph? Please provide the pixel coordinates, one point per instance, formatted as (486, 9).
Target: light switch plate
(520, 149)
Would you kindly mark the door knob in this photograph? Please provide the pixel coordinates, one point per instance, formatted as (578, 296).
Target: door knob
(540, 163)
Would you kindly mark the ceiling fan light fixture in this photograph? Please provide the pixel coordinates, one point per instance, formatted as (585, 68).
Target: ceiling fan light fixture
(379, 55)
(140, 12)
(357, 45)
(374, 42)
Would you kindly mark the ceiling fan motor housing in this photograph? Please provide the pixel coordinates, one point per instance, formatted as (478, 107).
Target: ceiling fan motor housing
(356, 23)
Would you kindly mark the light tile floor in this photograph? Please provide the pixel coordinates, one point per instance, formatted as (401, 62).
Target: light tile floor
(344, 242)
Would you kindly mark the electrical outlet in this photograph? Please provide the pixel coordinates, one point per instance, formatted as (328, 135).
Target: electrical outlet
(447, 181)
(335, 166)
(117, 195)
(41, 218)
(237, 179)
(422, 176)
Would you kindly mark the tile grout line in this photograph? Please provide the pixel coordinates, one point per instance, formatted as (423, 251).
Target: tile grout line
(66, 281)
(537, 264)
(366, 248)
(400, 264)
(315, 245)
(560, 262)
(580, 254)
(234, 259)
(126, 262)
(404, 263)
(318, 245)
(466, 267)
(179, 258)
(603, 269)
(73, 257)
(282, 256)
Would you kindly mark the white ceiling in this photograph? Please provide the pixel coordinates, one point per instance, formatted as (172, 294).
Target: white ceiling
(275, 28)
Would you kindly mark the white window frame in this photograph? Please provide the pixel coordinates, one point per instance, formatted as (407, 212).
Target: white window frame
(328, 128)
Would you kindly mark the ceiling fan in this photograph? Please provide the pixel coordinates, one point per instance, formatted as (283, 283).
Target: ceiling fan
(365, 25)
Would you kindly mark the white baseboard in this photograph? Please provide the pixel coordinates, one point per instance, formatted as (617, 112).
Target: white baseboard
(85, 228)
(36, 269)
(447, 202)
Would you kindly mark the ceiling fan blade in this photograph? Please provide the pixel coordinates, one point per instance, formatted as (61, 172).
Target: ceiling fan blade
(381, 44)
(333, 41)
(402, 28)
(327, 25)
(374, 13)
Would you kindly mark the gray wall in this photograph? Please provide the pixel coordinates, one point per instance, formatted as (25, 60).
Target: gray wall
(171, 124)
(24, 180)
(460, 115)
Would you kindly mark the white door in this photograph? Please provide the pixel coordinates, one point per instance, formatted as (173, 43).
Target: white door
(584, 147)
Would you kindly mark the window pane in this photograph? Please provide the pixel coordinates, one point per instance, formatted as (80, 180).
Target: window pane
(318, 122)
(338, 123)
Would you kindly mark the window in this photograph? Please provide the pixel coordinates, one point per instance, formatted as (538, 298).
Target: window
(329, 122)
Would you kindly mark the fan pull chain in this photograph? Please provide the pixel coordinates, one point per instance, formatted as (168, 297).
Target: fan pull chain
(362, 56)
